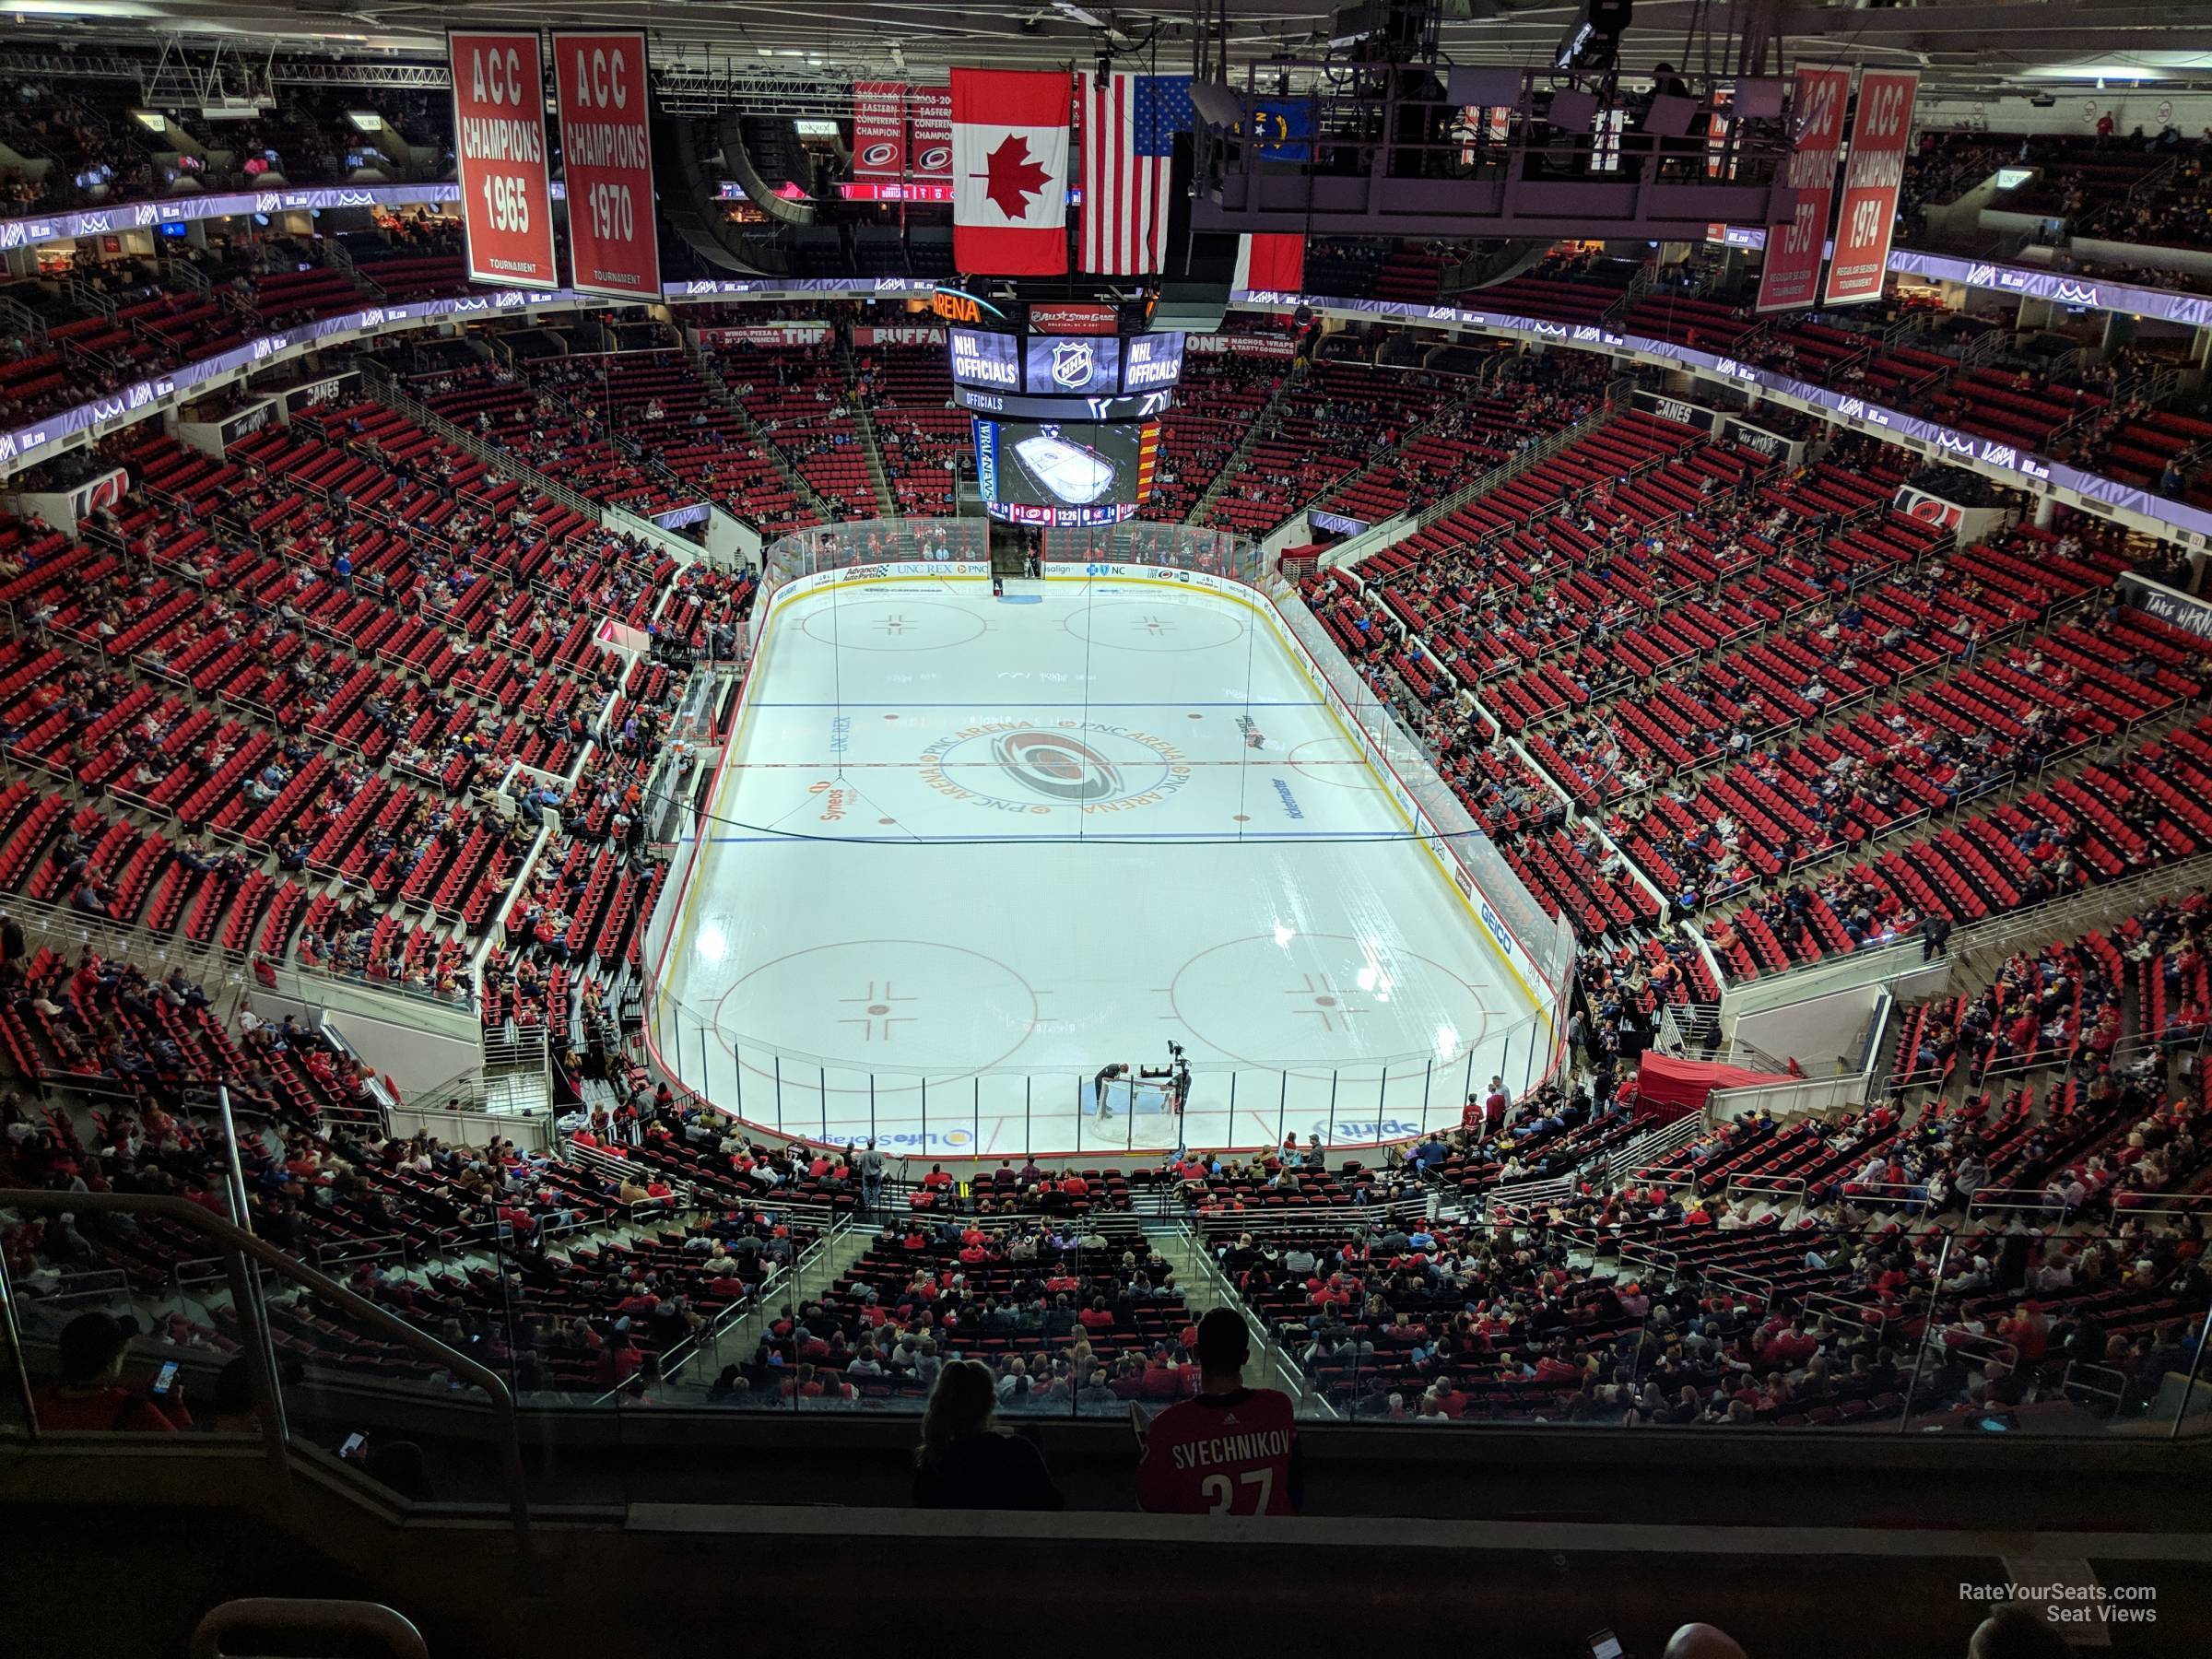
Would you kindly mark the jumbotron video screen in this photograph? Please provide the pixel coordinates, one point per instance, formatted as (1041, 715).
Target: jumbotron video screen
(1049, 473)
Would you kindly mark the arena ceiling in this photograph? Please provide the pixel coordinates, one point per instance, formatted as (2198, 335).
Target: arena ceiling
(1958, 47)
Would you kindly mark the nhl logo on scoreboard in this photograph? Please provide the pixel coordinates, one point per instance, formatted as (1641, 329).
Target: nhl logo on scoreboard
(1074, 361)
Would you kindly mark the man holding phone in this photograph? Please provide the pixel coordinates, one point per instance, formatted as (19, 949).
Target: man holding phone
(90, 1394)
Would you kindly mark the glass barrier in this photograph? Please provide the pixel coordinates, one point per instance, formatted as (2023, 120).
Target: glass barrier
(190, 1329)
(1079, 1112)
(1755, 1327)
(1365, 1312)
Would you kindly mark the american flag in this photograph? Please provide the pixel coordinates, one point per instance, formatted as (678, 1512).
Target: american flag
(1129, 127)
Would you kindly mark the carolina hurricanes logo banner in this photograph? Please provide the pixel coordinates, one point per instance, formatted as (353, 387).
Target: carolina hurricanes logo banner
(1010, 172)
(879, 129)
(929, 118)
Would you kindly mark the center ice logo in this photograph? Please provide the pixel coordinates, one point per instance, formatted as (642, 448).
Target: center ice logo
(1087, 765)
(1057, 767)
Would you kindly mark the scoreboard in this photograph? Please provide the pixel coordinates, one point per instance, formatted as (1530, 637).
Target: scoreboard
(1066, 413)
(1047, 376)
(1066, 473)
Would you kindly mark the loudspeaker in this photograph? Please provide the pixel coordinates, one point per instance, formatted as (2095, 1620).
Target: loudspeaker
(1194, 288)
(1194, 307)
(683, 177)
(737, 155)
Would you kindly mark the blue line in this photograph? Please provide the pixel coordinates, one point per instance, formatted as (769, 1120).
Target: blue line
(1031, 703)
(1023, 841)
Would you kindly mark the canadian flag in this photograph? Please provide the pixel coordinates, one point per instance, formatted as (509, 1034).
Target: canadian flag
(1010, 172)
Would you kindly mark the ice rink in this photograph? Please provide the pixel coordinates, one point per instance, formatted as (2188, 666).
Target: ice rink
(964, 852)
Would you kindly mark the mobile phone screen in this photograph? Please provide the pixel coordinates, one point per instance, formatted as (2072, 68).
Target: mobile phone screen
(354, 1443)
(165, 1378)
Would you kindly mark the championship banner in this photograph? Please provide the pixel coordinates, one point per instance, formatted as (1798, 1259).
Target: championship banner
(1881, 138)
(879, 129)
(499, 145)
(1791, 277)
(606, 162)
(929, 152)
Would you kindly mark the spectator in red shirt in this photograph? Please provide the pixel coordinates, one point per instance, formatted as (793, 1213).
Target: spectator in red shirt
(1229, 1450)
(1786, 1350)
(90, 1394)
(617, 1362)
(1163, 1381)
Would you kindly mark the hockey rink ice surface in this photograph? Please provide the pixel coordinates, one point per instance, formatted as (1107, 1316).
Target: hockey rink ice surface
(964, 852)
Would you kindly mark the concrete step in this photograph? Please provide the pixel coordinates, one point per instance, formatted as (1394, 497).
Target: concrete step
(735, 1345)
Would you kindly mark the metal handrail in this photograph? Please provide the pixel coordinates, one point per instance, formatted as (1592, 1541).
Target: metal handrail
(317, 1615)
(1536, 455)
(778, 457)
(1398, 1211)
(194, 1219)
(25, 322)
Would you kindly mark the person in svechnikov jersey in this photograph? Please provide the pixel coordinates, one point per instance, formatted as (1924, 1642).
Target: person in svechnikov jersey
(1228, 1451)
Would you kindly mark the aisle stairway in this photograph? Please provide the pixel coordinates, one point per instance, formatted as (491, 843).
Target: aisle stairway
(704, 367)
(871, 446)
(1262, 423)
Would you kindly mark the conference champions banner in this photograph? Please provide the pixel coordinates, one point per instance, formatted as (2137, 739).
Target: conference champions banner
(879, 129)
(929, 157)
(499, 146)
(1881, 138)
(1790, 280)
(599, 77)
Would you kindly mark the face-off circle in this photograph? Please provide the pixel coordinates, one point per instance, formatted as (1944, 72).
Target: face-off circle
(892, 624)
(1332, 760)
(1325, 999)
(1157, 625)
(901, 1004)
